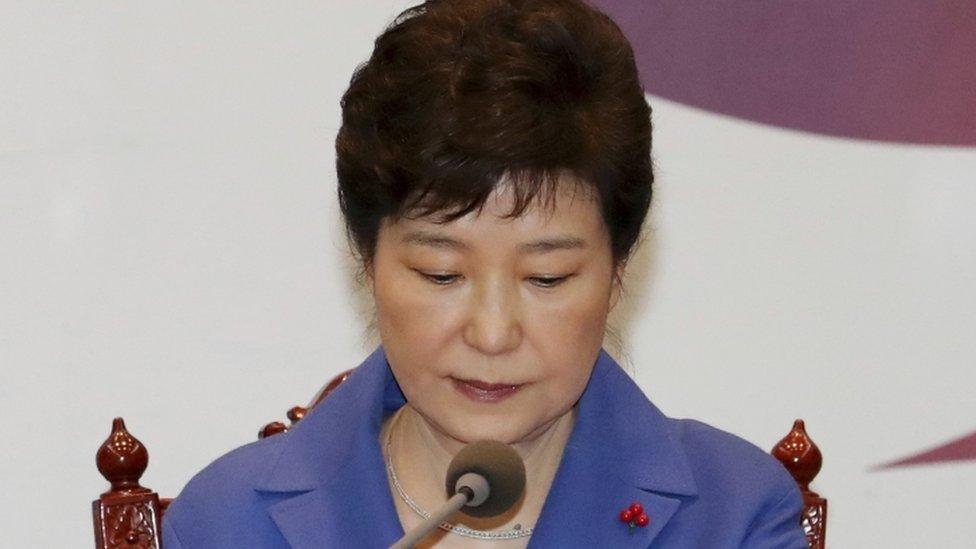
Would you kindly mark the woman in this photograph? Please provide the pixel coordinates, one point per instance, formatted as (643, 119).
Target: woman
(494, 175)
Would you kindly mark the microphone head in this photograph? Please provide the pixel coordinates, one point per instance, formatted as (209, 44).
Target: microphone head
(500, 465)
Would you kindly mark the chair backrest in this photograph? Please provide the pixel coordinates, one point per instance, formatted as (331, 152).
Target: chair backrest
(130, 515)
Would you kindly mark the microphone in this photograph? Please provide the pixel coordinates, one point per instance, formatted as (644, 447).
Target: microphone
(484, 479)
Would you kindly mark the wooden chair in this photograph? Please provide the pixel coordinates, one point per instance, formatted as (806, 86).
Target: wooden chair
(129, 515)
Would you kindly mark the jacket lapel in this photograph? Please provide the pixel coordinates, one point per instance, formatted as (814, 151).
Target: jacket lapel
(330, 473)
(354, 511)
(621, 451)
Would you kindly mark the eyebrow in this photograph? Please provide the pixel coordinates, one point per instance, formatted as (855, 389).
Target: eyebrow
(542, 245)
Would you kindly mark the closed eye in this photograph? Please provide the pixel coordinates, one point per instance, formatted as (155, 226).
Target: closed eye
(548, 281)
(440, 279)
(448, 279)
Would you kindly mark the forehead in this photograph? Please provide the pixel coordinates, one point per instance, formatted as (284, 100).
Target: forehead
(571, 209)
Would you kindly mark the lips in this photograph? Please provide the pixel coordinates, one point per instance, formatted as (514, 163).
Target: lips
(481, 391)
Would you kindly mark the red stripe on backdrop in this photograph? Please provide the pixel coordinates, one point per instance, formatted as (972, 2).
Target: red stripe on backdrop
(886, 70)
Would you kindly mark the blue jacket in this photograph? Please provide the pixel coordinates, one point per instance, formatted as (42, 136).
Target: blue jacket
(324, 484)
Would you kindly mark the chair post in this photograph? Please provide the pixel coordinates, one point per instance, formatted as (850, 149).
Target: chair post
(298, 412)
(128, 514)
(801, 457)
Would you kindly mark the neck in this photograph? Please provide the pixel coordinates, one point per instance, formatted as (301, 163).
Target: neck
(422, 453)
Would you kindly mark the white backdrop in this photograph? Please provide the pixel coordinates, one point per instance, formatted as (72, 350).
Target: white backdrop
(172, 253)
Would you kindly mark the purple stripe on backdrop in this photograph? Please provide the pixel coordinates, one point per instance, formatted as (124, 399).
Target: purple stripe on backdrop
(887, 70)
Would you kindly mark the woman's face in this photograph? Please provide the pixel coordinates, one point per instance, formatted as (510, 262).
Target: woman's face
(492, 326)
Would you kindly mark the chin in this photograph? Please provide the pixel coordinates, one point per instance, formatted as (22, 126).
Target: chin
(508, 432)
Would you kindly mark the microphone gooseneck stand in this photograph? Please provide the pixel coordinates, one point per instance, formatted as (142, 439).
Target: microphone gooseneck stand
(486, 476)
(452, 506)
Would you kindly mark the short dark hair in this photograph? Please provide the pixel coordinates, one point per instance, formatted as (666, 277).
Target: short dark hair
(458, 94)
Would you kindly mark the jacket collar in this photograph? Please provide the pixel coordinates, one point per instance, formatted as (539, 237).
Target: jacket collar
(621, 450)
(331, 473)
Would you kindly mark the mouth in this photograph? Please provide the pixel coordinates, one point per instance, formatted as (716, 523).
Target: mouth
(481, 391)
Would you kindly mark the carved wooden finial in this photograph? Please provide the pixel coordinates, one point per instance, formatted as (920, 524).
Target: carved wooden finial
(271, 429)
(122, 459)
(332, 385)
(127, 515)
(798, 453)
(803, 460)
(296, 414)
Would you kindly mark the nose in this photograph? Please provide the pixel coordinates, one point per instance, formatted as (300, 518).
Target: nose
(494, 324)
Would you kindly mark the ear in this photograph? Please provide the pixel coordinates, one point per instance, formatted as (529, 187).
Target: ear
(616, 285)
(368, 277)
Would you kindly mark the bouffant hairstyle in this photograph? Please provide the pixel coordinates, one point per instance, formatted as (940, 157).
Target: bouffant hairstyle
(460, 95)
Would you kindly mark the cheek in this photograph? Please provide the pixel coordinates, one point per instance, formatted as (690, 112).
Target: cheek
(577, 320)
(409, 306)
(414, 327)
(570, 334)
(565, 385)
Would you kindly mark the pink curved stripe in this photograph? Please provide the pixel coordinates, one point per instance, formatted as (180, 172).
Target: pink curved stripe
(963, 449)
(887, 70)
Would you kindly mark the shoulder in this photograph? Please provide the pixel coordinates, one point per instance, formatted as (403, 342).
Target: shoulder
(235, 470)
(738, 479)
(224, 494)
(725, 461)
(720, 464)
(237, 501)
(731, 492)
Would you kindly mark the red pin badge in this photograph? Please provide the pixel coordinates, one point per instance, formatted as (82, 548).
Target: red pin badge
(634, 516)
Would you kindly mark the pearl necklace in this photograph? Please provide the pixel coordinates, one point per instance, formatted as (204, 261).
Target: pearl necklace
(515, 533)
